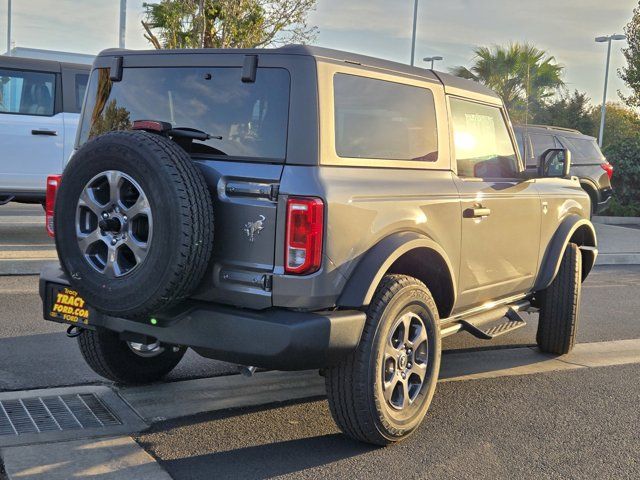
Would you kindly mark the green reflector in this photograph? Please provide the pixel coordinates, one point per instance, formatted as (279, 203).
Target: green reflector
(153, 321)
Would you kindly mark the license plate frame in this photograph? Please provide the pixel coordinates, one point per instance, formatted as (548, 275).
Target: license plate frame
(65, 305)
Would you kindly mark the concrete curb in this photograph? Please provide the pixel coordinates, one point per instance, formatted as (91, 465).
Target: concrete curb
(618, 259)
(616, 220)
(107, 459)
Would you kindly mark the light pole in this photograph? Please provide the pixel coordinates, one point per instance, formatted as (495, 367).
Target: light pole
(123, 23)
(432, 60)
(9, 27)
(608, 39)
(413, 36)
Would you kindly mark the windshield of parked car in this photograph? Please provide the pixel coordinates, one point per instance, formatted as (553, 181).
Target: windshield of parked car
(251, 117)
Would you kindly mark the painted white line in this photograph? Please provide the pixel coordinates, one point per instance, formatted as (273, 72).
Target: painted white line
(25, 220)
(40, 254)
(112, 458)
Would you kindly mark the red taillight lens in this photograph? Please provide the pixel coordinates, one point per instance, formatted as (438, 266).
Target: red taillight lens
(53, 182)
(607, 167)
(305, 226)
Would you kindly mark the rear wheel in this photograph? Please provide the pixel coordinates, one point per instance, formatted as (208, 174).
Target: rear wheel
(127, 362)
(560, 305)
(380, 393)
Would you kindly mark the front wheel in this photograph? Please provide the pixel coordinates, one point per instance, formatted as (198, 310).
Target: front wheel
(560, 305)
(127, 362)
(380, 393)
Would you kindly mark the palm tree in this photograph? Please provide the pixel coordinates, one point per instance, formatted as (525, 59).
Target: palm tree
(523, 75)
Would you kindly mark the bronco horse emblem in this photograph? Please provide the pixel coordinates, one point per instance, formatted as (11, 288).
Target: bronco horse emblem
(253, 229)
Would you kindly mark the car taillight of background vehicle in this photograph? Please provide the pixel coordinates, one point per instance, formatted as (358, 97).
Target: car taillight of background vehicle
(304, 234)
(607, 167)
(53, 182)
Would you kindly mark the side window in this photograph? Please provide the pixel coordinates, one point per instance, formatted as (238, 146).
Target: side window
(81, 80)
(483, 146)
(583, 149)
(384, 120)
(541, 143)
(27, 93)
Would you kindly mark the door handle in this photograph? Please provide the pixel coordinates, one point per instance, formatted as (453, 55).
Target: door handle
(477, 212)
(51, 133)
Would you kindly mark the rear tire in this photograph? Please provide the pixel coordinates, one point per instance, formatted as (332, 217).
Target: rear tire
(399, 344)
(112, 358)
(560, 305)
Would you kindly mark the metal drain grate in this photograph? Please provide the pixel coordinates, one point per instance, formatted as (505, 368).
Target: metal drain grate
(54, 414)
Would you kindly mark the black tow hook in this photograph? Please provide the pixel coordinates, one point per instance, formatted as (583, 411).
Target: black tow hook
(74, 331)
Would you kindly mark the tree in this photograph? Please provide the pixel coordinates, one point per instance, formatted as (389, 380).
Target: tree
(523, 75)
(227, 23)
(631, 73)
(570, 111)
(622, 123)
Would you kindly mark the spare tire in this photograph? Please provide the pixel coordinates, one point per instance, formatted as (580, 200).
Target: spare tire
(133, 223)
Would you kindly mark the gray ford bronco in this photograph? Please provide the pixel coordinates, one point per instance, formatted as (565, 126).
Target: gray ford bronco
(304, 208)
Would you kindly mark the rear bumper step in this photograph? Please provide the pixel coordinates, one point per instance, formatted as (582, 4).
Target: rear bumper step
(274, 338)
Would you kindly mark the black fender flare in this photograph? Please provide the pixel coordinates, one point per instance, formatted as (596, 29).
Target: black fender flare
(369, 271)
(555, 250)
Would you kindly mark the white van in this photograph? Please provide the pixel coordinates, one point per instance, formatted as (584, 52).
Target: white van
(40, 102)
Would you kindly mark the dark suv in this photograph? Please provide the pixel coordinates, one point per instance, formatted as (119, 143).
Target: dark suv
(588, 162)
(304, 208)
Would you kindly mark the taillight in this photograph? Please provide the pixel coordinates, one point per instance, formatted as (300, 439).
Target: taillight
(304, 232)
(53, 182)
(607, 167)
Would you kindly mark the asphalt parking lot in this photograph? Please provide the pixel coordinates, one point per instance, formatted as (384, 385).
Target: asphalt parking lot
(553, 424)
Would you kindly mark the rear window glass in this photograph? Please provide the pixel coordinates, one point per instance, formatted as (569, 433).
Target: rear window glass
(251, 118)
(80, 88)
(384, 120)
(27, 93)
(583, 149)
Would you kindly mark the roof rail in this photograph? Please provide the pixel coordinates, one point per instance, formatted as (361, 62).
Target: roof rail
(551, 127)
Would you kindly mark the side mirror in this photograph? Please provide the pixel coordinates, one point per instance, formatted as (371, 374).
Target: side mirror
(555, 163)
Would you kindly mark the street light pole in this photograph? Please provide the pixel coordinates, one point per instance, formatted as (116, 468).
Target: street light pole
(9, 27)
(123, 23)
(608, 39)
(432, 60)
(413, 36)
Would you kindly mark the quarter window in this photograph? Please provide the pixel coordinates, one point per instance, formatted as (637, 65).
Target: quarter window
(541, 143)
(81, 80)
(377, 119)
(27, 93)
(483, 146)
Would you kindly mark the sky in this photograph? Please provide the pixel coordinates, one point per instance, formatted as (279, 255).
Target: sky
(381, 28)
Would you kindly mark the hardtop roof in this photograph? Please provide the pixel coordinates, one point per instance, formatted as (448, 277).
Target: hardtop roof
(38, 64)
(451, 83)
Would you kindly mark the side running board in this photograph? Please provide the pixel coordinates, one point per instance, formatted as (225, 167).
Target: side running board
(490, 330)
(491, 323)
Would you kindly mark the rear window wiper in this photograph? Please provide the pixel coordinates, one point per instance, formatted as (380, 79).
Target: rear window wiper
(165, 128)
(183, 136)
(192, 133)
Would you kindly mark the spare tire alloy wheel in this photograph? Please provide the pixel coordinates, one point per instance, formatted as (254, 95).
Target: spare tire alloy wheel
(114, 224)
(134, 224)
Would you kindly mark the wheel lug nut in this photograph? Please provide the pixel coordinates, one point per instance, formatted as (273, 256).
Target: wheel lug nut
(114, 241)
(408, 365)
(404, 375)
(124, 218)
(105, 215)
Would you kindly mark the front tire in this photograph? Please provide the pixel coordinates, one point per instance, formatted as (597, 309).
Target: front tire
(380, 393)
(560, 305)
(125, 362)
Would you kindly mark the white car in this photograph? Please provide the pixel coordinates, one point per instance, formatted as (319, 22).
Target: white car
(40, 103)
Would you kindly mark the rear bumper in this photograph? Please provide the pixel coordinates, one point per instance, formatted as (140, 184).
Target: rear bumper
(277, 339)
